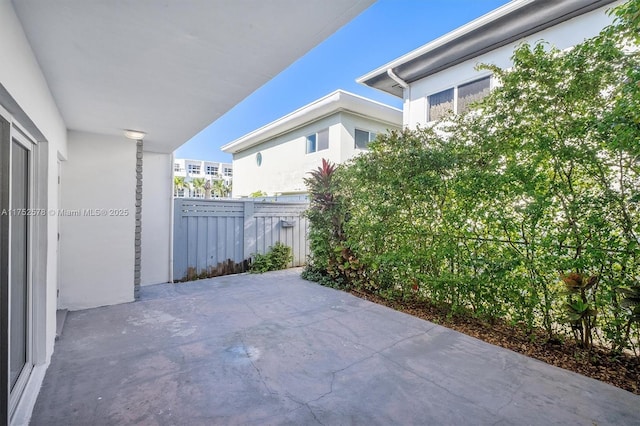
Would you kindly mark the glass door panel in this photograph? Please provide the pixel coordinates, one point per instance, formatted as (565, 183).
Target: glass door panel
(19, 293)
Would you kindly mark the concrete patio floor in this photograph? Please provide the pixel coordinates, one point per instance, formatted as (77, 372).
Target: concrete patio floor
(274, 349)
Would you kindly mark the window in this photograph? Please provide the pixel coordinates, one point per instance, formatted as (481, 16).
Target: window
(457, 99)
(318, 141)
(259, 159)
(176, 167)
(212, 170)
(362, 138)
(311, 143)
(472, 92)
(194, 169)
(228, 172)
(440, 104)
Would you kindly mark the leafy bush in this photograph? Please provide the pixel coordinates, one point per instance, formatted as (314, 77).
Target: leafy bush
(278, 257)
(525, 208)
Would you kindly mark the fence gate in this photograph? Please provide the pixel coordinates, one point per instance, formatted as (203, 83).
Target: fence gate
(218, 237)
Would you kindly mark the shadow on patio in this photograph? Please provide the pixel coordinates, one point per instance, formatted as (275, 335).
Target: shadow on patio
(275, 349)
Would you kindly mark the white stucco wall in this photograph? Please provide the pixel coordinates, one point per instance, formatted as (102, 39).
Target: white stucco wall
(351, 122)
(20, 75)
(157, 197)
(22, 79)
(285, 162)
(97, 252)
(566, 34)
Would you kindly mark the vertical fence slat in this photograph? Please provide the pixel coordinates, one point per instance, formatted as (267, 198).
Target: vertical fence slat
(218, 236)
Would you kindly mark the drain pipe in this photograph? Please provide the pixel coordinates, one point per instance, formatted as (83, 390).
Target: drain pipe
(406, 92)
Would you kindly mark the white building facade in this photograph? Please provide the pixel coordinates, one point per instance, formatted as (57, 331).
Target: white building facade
(275, 159)
(442, 75)
(207, 171)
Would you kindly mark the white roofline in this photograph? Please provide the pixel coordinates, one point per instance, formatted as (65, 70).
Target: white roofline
(336, 101)
(440, 41)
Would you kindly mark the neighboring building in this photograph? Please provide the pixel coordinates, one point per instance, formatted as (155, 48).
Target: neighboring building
(85, 208)
(442, 76)
(276, 158)
(210, 171)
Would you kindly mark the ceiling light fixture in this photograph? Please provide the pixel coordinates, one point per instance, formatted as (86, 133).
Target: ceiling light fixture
(136, 135)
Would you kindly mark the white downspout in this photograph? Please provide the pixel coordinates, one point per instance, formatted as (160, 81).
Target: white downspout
(406, 92)
(171, 218)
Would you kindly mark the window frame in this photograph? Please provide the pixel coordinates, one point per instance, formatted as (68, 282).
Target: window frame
(192, 167)
(455, 89)
(370, 138)
(316, 141)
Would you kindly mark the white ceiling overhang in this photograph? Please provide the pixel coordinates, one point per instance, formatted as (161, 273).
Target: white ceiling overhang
(168, 67)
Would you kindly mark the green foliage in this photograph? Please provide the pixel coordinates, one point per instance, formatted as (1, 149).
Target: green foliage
(199, 185)
(257, 194)
(220, 188)
(329, 255)
(485, 211)
(278, 257)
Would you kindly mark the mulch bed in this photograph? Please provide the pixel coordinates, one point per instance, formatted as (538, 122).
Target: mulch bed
(622, 371)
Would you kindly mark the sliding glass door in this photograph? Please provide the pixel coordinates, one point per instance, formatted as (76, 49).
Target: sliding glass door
(20, 291)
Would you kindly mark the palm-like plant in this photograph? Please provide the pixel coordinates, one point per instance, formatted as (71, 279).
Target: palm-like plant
(178, 184)
(579, 308)
(198, 185)
(319, 185)
(218, 188)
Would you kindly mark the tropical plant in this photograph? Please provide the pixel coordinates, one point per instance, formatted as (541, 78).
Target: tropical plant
(579, 308)
(198, 186)
(258, 194)
(278, 257)
(218, 187)
(178, 184)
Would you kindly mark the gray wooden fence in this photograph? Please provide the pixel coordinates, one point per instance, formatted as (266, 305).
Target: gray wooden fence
(218, 237)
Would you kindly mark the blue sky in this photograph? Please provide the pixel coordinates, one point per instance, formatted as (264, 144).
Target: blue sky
(386, 30)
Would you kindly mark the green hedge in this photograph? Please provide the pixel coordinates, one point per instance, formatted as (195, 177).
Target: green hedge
(526, 208)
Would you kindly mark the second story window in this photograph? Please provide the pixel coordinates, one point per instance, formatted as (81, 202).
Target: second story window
(440, 104)
(176, 167)
(471, 92)
(212, 170)
(193, 169)
(457, 99)
(228, 172)
(362, 138)
(318, 141)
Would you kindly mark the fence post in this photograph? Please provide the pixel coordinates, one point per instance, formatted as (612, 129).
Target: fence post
(179, 241)
(249, 229)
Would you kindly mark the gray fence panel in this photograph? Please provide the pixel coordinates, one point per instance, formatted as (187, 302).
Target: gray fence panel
(217, 237)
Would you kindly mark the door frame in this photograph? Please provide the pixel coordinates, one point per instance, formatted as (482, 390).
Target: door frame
(20, 137)
(15, 404)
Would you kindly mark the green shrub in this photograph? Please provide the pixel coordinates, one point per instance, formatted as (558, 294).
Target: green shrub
(278, 257)
(492, 210)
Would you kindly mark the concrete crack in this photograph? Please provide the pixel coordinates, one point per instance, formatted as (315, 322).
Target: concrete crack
(255, 367)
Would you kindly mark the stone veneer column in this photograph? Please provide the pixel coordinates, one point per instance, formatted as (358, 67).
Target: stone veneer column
(138, 221)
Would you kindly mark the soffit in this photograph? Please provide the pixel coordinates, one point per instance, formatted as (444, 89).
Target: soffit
(501, 27)
(168, 67)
